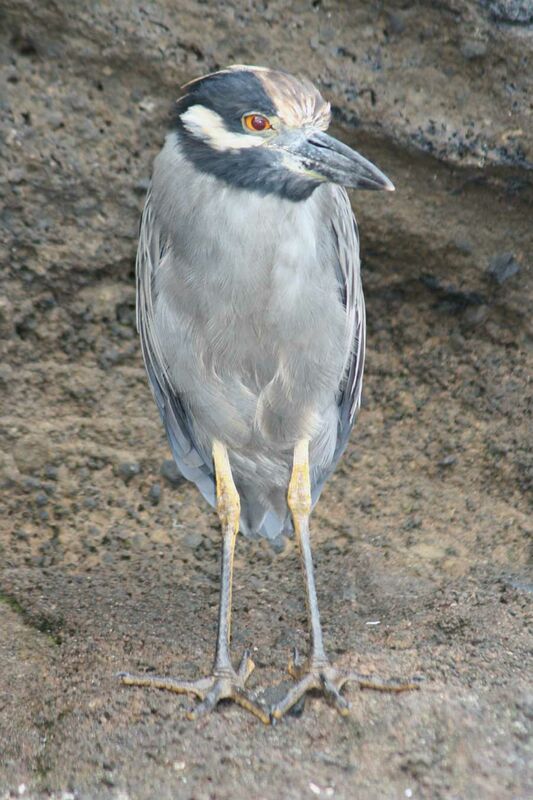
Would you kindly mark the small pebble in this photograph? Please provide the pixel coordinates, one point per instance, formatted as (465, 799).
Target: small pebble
(525, 704)
(502, 267)
(473, 48)
(127, 470)
(193, 540)
(154, 495)
(396, 22)
(170, 473)
(6, 374)
(447, 461)
(50, 472)
(110, 358)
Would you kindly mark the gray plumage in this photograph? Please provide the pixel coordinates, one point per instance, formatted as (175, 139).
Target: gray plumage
(252, 322)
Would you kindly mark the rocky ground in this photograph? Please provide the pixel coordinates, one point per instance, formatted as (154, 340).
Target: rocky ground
(421, 539)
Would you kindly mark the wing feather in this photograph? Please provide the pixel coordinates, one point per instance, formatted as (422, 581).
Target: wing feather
(152, 251)
(347, 267)
(346, 238)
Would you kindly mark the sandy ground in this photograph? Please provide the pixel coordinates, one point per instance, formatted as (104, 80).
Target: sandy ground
(422, 538)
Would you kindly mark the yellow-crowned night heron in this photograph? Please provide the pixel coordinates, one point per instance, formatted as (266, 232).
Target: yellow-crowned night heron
(252, 323)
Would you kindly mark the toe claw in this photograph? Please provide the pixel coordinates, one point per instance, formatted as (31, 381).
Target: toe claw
(333, 696)
(295, 664)
(208, 703)
(247, 666)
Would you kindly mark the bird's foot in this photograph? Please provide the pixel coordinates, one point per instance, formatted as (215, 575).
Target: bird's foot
(321, 676)
(224, 684)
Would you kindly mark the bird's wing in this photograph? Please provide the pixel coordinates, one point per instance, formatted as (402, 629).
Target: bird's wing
(347, 266)
(152, 250)
(348, 270)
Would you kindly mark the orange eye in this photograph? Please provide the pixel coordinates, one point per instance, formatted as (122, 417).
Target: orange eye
(256, 123)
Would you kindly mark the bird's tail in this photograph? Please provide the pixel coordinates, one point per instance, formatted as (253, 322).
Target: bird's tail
(259, 519)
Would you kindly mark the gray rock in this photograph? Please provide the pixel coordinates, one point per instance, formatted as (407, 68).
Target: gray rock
(447, 461)
(6, 375)
(31, 452)
(516, 12)
(77, 102)
(464, 245)
(126, 313)
(154, 495)
(6, 317)
(9, 474)
(16, 175)
(109, 358)
(193, 540)
(112, 357)
(51, 472)
(525, 704)
(396, 22)
(55, 119)
(473, 48)
(170, 473)
(502, 267)
(412, 523)
(127, 470)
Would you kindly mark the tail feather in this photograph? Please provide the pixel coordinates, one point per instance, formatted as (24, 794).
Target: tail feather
(260, 519)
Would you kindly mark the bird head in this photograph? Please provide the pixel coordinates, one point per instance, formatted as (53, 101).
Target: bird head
(264, 130)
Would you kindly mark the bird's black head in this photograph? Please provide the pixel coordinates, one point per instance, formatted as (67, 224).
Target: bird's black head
(263, 130)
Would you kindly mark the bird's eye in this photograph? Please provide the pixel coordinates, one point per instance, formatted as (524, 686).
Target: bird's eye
(256, 122)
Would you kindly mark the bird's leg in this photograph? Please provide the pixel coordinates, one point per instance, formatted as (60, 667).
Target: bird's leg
(317, 673)
(299, 500)
(225, 683)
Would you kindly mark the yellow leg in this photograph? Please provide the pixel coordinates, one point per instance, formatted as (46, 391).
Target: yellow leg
(299, 494)
(317, 673)
(299, 501)
(224, 683)
(228, 510)
(228, 502)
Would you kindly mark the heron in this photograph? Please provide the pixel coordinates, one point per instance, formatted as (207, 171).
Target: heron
(251, 317)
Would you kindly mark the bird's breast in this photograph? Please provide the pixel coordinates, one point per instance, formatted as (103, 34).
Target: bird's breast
(249, 306)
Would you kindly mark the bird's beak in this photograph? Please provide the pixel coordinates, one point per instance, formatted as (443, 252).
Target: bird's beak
(334, 161)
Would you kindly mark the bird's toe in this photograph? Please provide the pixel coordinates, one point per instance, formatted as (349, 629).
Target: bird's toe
(224, 685)
(329, 681)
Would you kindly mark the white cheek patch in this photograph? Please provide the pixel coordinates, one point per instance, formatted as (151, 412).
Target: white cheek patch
(207, 125)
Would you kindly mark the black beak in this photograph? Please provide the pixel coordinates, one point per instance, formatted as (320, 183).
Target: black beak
(338, 163)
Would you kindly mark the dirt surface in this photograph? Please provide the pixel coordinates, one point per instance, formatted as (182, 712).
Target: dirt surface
(420, 540)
